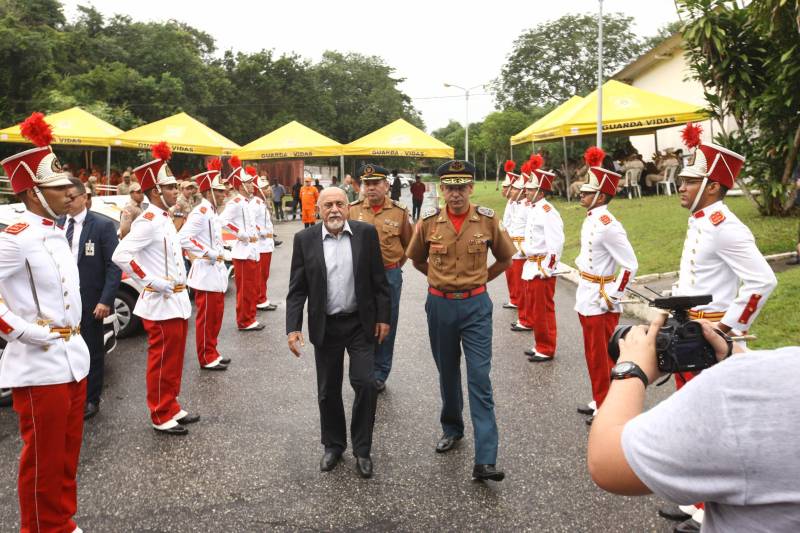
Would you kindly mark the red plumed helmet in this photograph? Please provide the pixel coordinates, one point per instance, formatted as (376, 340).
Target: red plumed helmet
(594, 156)
(251, 171)
(235, 162)
(691, 135)
(162, 151)
(536, 161)
(35, 129)
(510, 165)
(214, 164)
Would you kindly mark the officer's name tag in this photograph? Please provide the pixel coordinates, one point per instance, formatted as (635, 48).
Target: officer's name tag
(89, 249)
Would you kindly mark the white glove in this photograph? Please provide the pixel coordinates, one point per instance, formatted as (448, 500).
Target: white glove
(213, 254)
(243, 236)
(163, 286)
(263, 233)
(36, 335)
(604, 305)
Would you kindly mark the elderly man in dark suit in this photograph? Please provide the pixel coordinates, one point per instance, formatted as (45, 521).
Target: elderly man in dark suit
(93, 240)
(337, 266)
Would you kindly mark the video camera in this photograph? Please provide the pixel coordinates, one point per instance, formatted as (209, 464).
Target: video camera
(680, 344)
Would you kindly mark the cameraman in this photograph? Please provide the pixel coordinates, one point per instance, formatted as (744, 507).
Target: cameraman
(728, 438)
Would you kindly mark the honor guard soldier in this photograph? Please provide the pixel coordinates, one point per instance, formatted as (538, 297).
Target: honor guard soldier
(259, 204)
(238, 217)
(542, 247)
(46, 361)
(391, 219)
(201, 238)
(719, 257)
(450, 246)
(151, 253)
(516, 229)
(512, 282)
(607, 264)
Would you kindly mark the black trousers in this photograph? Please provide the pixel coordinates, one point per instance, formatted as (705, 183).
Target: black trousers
(92, 333)
(346, 333)
(416, 208)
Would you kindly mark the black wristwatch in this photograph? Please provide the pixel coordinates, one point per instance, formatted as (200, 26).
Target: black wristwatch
(626, 370)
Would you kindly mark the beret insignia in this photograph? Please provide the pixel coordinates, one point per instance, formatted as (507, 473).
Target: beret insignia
(19, 227)
(485, 211)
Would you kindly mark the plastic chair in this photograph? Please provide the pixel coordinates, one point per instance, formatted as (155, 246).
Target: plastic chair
(632, 176)
(669, 180)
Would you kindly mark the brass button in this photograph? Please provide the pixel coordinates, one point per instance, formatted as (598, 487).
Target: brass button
(63, 280)
(67, 306)
(66, 293)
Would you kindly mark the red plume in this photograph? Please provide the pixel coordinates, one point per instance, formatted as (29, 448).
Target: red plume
(36, 130)
(536, 161)
(526, 167)
(251, 171)
(691, 135)
(214, 164)
(510, 165)
(594, 156)
(235, 162)
(162, 151)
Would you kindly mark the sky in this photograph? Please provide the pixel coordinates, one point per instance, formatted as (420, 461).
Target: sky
(429, 43)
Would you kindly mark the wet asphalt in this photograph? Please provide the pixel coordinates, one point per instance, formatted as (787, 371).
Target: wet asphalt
(252, 462)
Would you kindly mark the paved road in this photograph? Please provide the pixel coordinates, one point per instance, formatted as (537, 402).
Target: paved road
(251, 464)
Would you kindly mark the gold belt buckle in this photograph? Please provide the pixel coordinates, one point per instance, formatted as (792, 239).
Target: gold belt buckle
(459, 295)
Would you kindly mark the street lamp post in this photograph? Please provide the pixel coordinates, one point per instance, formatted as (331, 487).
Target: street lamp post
(466, 124)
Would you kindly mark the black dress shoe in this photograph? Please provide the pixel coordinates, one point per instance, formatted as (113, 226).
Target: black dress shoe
(484, 472)
(277, 243)
(216, 368)
(585, 410)
(329, 460)
(257, 327)
(530, 351)
(90, 410)
(447, 443)
(176, 430)
(225, 360)
(590, 420)
(271, 307)
(380, 386)
(795, 261)
(188, 419)
(688, 526)
(509, 305)
(536, 358)
(517, 327)
(671, 511)
(364, 467)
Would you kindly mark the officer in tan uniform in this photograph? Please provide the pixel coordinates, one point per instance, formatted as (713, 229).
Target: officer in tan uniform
(132, 209)
(450, 247)
(391, 220)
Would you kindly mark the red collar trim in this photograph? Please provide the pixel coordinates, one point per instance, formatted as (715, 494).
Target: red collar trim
(47, 222)
(699, 214)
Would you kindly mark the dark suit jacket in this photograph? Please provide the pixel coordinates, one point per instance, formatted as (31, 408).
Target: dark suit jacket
(309, 281)
(99, 275)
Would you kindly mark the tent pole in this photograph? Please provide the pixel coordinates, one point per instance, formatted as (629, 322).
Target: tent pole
(655, 138)
(341, 169)
(566, 168)
(600, 76)
(108, 164)
(511, 150)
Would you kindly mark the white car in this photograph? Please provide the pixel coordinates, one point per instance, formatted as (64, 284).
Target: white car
(405, 180)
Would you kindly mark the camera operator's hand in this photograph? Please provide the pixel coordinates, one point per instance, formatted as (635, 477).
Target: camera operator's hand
(718, 343)
(639, 346)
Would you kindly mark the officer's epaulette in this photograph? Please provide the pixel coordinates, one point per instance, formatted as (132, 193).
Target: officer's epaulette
(356, 202)
(485, 211)
(148, 216)
(717, 218)
(17, 228)
(430, 212)
(401, 205)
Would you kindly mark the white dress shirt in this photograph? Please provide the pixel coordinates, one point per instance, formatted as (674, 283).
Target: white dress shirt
(80, 218)
(203, 232)
(544, 236)
(238, 217)
(339, 266)
(264, 227)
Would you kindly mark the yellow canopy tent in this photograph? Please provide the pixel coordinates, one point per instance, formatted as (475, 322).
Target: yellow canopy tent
(399, 139)
(73, 126)
(547, 121)
(290, 140)
(183, 133)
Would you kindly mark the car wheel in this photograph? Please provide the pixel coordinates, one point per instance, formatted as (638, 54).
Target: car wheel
(123, 307)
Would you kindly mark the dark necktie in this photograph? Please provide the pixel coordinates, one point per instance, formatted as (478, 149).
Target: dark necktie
(70, 231)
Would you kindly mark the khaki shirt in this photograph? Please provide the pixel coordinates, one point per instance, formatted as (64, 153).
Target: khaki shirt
(124, 188)
(457, 262)
(393, 225)
(129, 214)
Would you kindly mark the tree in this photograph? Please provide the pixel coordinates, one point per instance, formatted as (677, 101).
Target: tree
(748, 60)
(558, 59)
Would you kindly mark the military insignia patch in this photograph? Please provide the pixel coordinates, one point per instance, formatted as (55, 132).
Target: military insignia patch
(399, 204)
(204, 210)
(148, 216)
(717, 218)
(431, 211)
(485, 211)
(356, 202)
(605, 219)
(368, 170)
(237, 200)
(456, 166)
(14, 229)
(547, 208)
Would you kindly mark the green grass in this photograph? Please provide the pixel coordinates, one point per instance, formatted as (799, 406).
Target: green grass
(656, 226)
(778, 323)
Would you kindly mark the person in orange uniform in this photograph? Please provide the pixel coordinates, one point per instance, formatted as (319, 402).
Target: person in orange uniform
(308, 202)
(391, 220)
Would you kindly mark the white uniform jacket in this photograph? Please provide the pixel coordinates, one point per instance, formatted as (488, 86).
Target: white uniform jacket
(605, 253)
(37, 242)
(141, 254)
(720, 258)
(201, 236)
(238, 217)
(544, 240)
(516, 227)
(509, 211)
(265, 243)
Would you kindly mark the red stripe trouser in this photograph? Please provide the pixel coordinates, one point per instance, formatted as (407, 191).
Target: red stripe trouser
(246, 274)
(597, 330)
(208, 322)
(166, 342)
(51, 426)
(541, 309)
(263, 265)
(514, 280)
